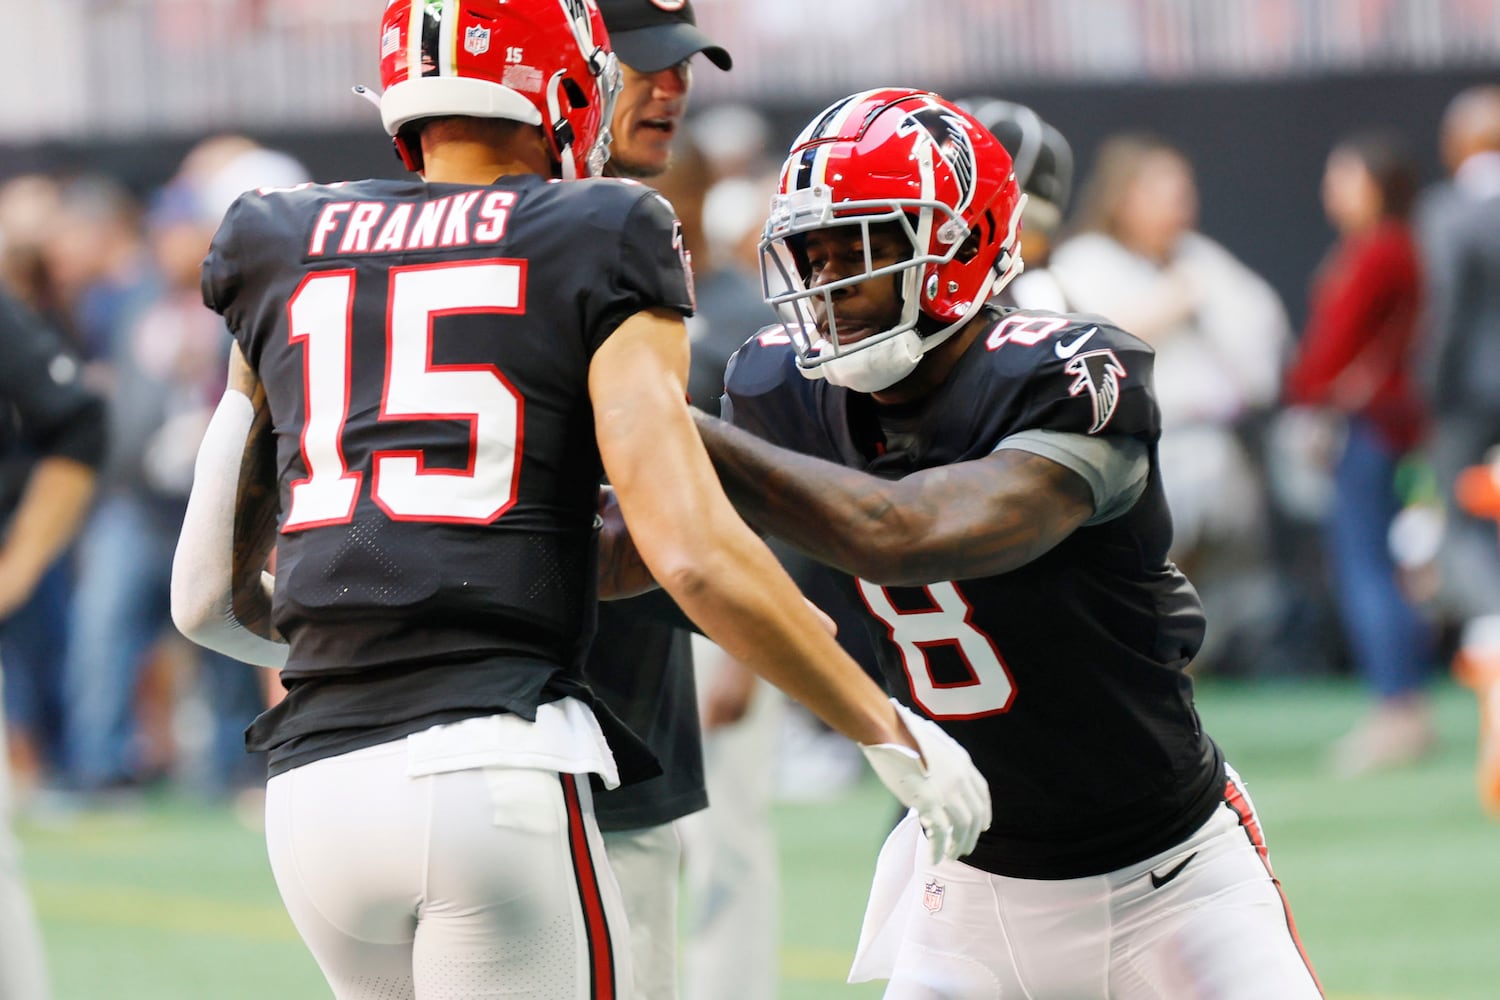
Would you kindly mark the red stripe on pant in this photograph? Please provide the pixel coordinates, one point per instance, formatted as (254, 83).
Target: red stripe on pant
(596, 926)
(1250, 823)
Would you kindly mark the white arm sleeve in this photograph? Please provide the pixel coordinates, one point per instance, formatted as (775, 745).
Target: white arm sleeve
(202, 568)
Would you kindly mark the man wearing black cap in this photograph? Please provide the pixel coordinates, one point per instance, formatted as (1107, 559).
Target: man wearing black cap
(638, 666)
(655, 40)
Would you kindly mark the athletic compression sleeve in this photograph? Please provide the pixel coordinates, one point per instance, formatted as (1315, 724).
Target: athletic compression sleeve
(202, 568)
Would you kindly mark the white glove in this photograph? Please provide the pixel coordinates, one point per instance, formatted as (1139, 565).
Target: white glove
(950, 796)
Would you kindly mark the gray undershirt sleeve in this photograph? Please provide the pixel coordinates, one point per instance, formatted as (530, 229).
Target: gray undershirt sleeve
(1115, 467)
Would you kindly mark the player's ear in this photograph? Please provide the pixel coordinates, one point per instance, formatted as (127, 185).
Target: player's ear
(969, 250)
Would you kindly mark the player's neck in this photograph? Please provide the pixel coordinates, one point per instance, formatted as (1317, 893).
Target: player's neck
(473, 162)
(934, 368)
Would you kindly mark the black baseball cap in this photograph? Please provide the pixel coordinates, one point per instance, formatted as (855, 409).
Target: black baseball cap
(651, 35)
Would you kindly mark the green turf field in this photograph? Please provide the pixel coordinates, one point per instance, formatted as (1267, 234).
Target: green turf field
(1394, 880)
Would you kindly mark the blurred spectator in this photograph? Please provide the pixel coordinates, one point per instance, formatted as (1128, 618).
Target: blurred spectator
(169, 370)
(28, 205)
(35, 642)
(1043, 162)
(72, 247)
(1354, 362)
(733, 139)
(51, 442)
(1458, 225)
(97, 262)
(1220, 333)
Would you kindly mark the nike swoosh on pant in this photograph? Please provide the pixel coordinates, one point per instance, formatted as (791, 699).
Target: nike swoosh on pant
(1157, 881)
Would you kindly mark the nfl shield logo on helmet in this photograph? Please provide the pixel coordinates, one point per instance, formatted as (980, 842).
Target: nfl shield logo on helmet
(476, 40)
(932, 895)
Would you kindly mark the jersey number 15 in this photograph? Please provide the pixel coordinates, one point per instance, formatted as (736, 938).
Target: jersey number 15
(321, 317)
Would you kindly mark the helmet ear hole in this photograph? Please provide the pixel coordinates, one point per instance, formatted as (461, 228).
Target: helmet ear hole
(969, 250)
(407, 144)
(576, 97)
(989, 226)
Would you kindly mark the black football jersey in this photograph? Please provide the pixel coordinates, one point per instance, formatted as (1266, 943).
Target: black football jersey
(44, 407)
(1065, 678)
(425, 352)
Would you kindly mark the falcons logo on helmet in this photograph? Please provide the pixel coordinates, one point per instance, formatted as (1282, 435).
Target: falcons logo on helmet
(953, 144)
(1098, 372)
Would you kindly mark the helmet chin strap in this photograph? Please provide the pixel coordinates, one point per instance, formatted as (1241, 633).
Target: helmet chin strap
(1007, 266)
(873, 368)
(561, 131)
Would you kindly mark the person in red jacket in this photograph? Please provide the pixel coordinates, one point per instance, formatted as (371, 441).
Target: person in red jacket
(1353, 359)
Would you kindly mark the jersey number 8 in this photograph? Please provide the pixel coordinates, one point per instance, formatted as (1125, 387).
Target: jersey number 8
(988, 690)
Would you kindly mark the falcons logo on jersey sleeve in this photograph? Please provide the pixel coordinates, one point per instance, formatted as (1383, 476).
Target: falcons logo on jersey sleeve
(1098, 373)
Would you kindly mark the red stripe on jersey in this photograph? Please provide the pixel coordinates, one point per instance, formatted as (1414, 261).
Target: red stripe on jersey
(1250, 823)
(596, 926)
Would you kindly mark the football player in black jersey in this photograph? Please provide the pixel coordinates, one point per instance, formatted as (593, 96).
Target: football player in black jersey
(428, 379)
(987, 479)
(51, 446)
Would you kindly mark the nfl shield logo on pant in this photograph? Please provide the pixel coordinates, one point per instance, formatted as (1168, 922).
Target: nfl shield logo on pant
(932, 895)
(476, 40)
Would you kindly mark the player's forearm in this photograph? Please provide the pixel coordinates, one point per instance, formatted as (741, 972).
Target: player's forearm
(847, 519)
(716, 569)
(206, 585)
(967, 520)
(51, 509)
(725, 579)
(734, 589)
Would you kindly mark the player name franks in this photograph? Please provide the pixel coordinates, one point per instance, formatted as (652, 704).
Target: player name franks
(469, 218)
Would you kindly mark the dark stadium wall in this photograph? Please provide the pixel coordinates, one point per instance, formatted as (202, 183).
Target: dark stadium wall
(1258, 147)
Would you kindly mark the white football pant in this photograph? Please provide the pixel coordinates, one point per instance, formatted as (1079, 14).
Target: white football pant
(1204, 920)
(731, 945)
(647, 863)
(444, 884)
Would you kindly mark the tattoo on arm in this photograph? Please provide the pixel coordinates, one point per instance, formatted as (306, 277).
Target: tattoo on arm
(966, 520)
(257, 509)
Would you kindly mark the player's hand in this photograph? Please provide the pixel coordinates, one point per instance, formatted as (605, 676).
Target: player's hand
(951, 797)
(729, 696)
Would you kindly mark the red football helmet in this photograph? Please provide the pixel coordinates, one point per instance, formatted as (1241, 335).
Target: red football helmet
(543, 62)
(893, 156)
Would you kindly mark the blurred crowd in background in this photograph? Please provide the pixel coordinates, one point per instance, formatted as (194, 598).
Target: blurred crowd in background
(1311, 449)
(120, 67)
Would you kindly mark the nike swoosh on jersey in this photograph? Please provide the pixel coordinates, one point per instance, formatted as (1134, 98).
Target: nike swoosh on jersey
(1066, 351)
(1157, 881)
